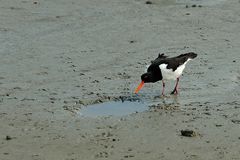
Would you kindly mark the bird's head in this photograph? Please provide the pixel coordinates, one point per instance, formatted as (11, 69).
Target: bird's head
(146, 78)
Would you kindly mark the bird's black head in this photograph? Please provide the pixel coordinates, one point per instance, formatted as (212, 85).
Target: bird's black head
(148, 77)
(153, 75)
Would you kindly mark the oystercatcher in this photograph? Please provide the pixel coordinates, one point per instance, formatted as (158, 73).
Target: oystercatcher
(164, 68)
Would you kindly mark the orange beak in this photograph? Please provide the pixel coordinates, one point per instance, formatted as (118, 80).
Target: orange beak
(139, 87)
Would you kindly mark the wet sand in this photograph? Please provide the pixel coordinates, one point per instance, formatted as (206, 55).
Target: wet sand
(58, 56)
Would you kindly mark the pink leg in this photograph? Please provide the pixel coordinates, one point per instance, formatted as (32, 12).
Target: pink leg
(175, 90)
(163, 84)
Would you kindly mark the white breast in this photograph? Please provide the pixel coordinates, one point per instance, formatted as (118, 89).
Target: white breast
(169, 73)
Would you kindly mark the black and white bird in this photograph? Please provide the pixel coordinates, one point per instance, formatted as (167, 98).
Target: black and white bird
(164, 68)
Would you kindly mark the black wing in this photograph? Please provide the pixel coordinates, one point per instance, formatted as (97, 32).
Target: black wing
(160, 57)
(172, 63)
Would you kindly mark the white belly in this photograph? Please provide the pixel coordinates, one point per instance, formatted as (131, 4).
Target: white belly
(169, 73)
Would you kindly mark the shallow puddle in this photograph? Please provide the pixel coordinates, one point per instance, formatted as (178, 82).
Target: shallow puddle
(117, 108)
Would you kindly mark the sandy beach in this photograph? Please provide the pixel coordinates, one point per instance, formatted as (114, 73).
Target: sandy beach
(57, 56)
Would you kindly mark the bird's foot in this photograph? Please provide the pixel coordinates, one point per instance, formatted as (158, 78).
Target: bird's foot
(175, 92)
(163, 94)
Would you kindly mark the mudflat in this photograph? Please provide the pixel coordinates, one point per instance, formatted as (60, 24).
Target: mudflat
(59, 56)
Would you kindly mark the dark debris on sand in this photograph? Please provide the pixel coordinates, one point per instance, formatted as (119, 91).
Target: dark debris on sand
(188, 133)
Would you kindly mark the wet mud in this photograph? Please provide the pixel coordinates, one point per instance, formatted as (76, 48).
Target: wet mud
(58, 57)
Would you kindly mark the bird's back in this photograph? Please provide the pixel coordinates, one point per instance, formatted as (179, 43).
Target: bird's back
(174, 62)
(170, 68)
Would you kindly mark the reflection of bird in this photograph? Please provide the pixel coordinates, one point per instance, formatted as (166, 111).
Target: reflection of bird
(164, 68)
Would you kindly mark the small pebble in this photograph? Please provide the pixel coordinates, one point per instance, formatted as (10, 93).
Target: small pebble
(8, 138)
(188, 133)
(236, 121)
(132, 41)
(148, 2)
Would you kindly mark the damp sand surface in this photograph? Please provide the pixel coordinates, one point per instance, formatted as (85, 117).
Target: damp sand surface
(58, 56)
